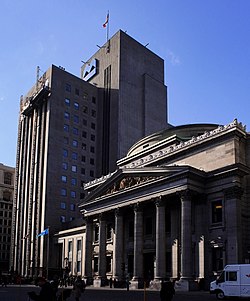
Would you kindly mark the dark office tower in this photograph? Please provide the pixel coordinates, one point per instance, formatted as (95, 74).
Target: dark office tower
(72, 130)
(133, 94)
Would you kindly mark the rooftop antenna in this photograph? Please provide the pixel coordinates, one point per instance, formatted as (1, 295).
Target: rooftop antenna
(37, 77)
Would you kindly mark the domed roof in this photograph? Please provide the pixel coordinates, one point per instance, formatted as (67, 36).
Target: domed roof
(183, 132)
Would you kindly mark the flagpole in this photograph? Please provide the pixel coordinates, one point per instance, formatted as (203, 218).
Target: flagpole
(108, 27)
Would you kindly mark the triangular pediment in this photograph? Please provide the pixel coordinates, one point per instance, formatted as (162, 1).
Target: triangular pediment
(125, 179)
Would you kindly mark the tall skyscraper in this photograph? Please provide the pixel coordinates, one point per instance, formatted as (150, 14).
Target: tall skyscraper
(73, 129)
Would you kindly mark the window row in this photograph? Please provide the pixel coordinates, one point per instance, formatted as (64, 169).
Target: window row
(72, 207)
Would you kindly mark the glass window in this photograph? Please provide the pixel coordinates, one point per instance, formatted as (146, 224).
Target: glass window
(77, 92)
(76, 105)
(93, 113)
(74, 156)
(63, 205)
(66, 128)
(92, 149)
(96, 233)
(92, 161)
(66, 115)
(7, 178)
(75, 131)
(92, 137)
(84, 122)
(64, 192)
(83, 171)
(231, 276)
(73, 194)
(84, 146)
(73, 181)
(72, 207)
(85, 96)
(109, 231)
(217, 211)
(74, 168)
(91, 173)
(65, 165)
(65, 153)
(65, 140)
(76, 119)
(93, 125)
(75, 143)
(62, 218)
(67, 101)
(64, 179)
(85, 109)
(68, 87)
(84, 134)
(93, 99)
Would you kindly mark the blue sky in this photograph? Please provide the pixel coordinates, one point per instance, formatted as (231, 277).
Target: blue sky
(205, 45)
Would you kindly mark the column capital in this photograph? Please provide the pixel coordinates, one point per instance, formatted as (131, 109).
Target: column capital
(234, 192)
(137, 207)
(185, 195)
(159, 202)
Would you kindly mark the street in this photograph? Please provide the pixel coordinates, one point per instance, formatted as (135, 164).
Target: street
(19, 293)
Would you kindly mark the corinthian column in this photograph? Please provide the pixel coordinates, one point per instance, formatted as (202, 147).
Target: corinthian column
(186, 235)
(138, 244)
(160, 271)
(118, 246)
(102, 248)
(87, 269)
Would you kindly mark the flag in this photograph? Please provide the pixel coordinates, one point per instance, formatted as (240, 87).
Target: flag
(106, 21)
(44, 232)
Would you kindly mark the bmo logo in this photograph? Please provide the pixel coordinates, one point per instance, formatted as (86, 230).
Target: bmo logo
(90, 70)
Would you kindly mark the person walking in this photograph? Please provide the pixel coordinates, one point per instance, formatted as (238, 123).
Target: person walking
(167, 291)
(78, 288)
(47, 293)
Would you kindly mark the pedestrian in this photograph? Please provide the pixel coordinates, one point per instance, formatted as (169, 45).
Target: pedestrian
(167, 291)
(78, 288)
(110, 282)
(47, 293)
(127, 284)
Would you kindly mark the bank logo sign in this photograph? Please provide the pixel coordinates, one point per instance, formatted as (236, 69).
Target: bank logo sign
(90, 70)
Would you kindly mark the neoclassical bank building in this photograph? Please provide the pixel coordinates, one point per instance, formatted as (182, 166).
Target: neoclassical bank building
(177, 206)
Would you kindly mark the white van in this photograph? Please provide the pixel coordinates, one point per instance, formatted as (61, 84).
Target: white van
(234, 281)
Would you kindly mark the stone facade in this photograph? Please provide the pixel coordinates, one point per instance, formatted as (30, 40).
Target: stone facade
(7, 176)
(177, 208)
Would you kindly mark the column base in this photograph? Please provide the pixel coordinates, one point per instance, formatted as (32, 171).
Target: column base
(136, 284)
(186, 285)
(99, 282)
(155, 284)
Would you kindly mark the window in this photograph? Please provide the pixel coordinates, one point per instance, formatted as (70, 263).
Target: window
(66, 115)
(83, 171)
(74, 168)
(73, 181)
(7, 178)
(65, 140)
(76, 118)
(93, 99)
(65, 153)
(85, 96)
(93, 125)
(7, 197)
(92, 137)
(217, 211)
(217, 259)
(66, 128)
(63, 205)
(77, 92)
(92, 161)
(64, 179)
(63, 192)
(75, 143)
(82, 195)
(85, 109)
(108, 264)
(65, 165)
(72, 207)
(91, 173)
(96, 233)
(109, 231)
(84, 146)
(74, 156)
(62, 218)
(92, 149)
(76, 105)
(93, 113)
(67, 102)
(84, 122)
(95, 264)
(231, 276)
(84, 134)
(73, 194)
(83, 159)
(75, 131)
(68, 87)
